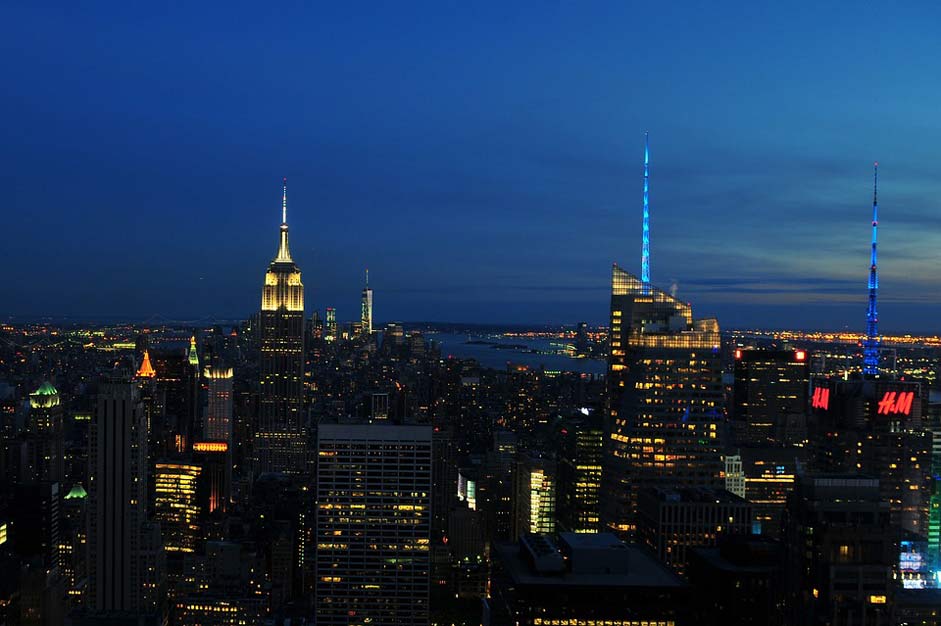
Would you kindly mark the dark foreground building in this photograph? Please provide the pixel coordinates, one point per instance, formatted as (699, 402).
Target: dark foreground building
(584, 580)
(839, 549)
(737, 582)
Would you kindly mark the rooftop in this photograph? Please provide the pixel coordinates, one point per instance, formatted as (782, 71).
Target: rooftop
(695, 494)
(635, 567)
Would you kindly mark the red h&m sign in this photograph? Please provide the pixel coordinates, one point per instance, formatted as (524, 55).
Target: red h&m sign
(821, 399)
(896, 402)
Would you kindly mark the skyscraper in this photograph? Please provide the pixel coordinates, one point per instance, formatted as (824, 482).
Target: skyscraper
(330, 329)
(664, 391)
(280, 435)
(218, 423)
(876, 426)
(770, 399)
(366, 316)
(175, 504)
(176, 391)
(373, 524)
(664, 395)
(535, 495)
(123, 574)
(580, 454)
(45, 431)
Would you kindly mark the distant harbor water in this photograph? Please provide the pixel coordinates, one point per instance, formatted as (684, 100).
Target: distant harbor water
(495, 351)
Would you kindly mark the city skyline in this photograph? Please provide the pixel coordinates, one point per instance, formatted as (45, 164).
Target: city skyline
(573, 315)
(759, 198)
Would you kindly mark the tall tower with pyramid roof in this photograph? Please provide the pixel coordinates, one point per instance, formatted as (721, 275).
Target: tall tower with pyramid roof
(280, 432)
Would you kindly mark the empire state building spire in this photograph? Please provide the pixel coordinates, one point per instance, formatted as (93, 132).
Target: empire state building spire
(284, 252)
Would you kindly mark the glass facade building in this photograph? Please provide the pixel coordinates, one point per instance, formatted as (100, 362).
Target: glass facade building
(664, 398)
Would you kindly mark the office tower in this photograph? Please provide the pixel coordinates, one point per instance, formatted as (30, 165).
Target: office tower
(175, 505)
(379, 409)
(153, 403)
(214, 484)
(770, 397)
(585, 579)
(280, 435)
(124, 570)
(316, 326)
(330, 325)
(217, 425)
(664, 398)
(417, 347)
(445, 485)
(73, 539)
(737, 582)
(467, 555)
(176, 387)
(769, 478)
(535, 495)
(373, 524)
(393, 339)
(366, 314)
(35, 519)
(838, 546)
(671, 521)
(876, 427)
(45, 434)
(580, 454)
(582, 340)
(223, 584)
(522, 412)
(734, 475)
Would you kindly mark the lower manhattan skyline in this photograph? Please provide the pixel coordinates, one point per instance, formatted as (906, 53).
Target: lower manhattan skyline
(138, 201)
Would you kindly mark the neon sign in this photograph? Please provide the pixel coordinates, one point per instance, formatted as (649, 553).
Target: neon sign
(896, 402)
(821, 399)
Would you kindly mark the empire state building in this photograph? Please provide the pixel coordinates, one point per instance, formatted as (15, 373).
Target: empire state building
(280, 442)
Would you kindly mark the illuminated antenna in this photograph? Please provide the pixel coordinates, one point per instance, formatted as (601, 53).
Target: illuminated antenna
(284, 252)
(645, 250)
(367, 278)
(871, 345)
(284, 201)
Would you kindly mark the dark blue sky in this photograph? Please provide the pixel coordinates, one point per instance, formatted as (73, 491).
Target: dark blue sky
(485, 162)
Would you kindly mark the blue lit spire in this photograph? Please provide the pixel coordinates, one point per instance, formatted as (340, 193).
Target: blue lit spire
(645, 251)
(871, 345)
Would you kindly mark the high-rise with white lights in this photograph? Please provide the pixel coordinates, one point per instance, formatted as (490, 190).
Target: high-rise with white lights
(366, 313)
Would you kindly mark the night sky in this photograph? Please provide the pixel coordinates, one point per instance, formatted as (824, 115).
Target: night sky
(484, 163)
